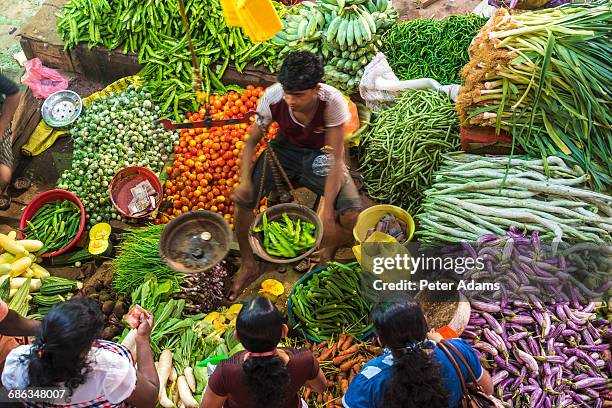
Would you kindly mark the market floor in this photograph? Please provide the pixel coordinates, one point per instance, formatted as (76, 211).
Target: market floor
(410, 9)
(13, 15)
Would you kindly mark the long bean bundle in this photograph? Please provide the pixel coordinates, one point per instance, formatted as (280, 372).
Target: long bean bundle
(405, 146)
(139, 259)
(545, 76)
(470, 198)
(424, 48)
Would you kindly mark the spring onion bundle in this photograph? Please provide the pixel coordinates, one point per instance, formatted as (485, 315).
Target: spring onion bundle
(545, 77)
(470, 198)
(405, 145)
(424, 48)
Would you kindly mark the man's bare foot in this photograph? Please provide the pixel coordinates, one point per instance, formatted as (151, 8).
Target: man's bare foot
(243, 278)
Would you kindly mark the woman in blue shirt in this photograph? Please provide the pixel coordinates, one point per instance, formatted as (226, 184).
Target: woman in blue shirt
(413, 372)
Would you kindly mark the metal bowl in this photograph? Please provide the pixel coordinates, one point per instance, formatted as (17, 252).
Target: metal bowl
(195, 241)
(294, 211)
(61, 108)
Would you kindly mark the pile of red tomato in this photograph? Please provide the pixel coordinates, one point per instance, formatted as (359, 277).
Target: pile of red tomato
(206, 162)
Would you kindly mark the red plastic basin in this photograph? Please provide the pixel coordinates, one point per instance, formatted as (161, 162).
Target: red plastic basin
(48, 197)
(124, 181)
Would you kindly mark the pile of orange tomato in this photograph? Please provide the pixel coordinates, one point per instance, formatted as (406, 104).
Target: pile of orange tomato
(206, 162)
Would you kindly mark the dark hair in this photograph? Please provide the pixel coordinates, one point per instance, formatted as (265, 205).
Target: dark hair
(59, 353)
(259, 327)
(416, 381)
(301, 70)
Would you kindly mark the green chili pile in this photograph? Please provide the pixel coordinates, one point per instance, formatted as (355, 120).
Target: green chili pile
(287, 238)
(55, 224)
(154, 30)
(544, 76)
(405, 145)
(437, 49)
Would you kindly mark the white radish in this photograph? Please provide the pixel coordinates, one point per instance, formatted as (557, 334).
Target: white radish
(188, 372)
(165, 368)
(35, 284)
(173, 391)
(185, 393)
(129, 341)
(173, 374)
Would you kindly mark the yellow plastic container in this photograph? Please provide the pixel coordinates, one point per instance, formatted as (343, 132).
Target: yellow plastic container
(369, 217)
(259, 19)
(230, 13)
(375, 237)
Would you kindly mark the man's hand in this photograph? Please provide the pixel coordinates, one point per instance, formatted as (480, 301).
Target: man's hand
(144, 328)
(243, 193)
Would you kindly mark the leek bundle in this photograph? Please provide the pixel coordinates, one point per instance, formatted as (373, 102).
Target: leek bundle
(545, 77)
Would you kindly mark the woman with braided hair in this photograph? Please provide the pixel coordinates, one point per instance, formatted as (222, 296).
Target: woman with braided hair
(413, 372)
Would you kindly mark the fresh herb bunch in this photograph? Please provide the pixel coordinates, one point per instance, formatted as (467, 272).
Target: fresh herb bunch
(138, 259)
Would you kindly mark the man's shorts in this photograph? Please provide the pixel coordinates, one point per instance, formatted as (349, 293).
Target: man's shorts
(6, 149)
(307, 167)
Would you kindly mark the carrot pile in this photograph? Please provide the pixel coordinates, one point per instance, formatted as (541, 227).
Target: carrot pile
(340, 359)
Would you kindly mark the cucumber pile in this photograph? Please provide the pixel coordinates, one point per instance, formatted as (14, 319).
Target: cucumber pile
(345, 33)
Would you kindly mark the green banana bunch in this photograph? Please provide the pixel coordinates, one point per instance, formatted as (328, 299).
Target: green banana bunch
(380, 6)
(346, 33)
(353, 28)
(305, 26)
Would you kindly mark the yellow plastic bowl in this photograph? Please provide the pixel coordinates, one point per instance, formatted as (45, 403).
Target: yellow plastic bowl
(369, 217)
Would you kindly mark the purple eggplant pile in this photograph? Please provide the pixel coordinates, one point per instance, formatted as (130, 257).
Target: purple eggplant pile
(545, 356)
(540, 333)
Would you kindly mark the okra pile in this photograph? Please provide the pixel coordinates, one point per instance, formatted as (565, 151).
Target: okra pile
(331, 302)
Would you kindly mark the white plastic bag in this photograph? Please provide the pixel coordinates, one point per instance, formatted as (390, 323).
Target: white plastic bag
(484, 9)
(379, 86)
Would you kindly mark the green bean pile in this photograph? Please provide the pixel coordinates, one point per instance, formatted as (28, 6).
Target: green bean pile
(435, 49)
(55, 224)
(405, 145)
